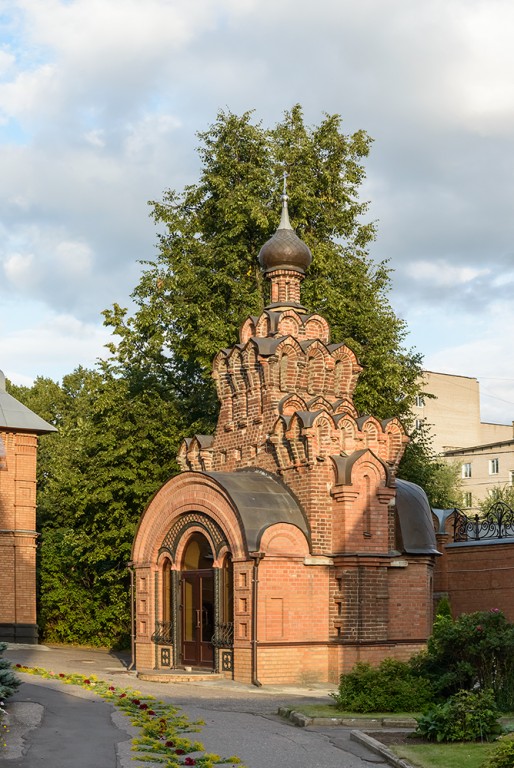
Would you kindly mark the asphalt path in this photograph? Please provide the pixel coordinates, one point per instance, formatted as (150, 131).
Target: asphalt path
(61, 726)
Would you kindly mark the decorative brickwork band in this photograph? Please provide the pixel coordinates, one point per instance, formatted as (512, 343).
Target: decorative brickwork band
(190, 520)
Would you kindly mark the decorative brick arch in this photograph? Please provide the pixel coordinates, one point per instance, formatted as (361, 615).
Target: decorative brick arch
(193, 522)
(190, 493)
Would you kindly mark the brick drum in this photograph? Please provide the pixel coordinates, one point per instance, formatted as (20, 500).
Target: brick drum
(274, 556)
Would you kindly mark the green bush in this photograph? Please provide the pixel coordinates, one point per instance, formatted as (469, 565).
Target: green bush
(466, 716)
(8, 680)
(474, 651)
(503, 754)
(391, 687)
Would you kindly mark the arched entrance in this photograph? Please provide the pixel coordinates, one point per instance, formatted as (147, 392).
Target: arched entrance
(197, 603)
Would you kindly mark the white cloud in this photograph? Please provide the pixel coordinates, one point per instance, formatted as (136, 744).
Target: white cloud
(19, 269)
(47, 347)
(439, 273)
(100, 101)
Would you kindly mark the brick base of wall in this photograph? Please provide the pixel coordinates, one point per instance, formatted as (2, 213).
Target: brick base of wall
(298, 664)
(19, 633)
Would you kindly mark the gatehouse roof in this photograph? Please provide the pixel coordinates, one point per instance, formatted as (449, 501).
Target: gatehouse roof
(15, 415)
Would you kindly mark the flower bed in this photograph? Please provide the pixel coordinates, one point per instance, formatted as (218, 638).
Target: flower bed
(163, 728)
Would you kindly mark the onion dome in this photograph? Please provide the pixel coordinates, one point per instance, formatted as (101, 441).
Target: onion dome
(285, 250)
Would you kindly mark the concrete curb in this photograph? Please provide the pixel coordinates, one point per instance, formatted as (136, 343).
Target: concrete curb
(379, 749)
(303, 721)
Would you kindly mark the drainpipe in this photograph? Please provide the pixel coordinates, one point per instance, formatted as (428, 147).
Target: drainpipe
(256, 557)
(132, 619)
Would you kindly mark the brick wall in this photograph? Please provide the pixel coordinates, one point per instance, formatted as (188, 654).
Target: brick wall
(18, 537)
(480, 577)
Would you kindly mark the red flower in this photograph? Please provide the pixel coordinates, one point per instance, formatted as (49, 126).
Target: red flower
(169, 744)
(151, 712)
(122, 695)
(61, 674)
(19, 666)
(136, 702)
(143, 706)
(180, 751)
(112, 688)
(189, 761)
(87, 682)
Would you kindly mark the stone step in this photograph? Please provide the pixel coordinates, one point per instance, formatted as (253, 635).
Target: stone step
(176, 676)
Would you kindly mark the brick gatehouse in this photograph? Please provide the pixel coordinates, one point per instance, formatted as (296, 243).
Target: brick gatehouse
(19, 428)
(285, 551)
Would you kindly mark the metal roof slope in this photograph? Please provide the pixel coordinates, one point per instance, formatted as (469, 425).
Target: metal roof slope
(415, 517)
(15, 415)
(262, 500)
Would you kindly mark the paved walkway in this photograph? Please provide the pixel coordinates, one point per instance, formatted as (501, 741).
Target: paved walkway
(60, 726)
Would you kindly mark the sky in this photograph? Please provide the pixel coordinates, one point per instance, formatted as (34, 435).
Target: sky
(100, 102)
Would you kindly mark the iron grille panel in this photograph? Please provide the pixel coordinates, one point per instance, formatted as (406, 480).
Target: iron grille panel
(163, 634)
(223, 635)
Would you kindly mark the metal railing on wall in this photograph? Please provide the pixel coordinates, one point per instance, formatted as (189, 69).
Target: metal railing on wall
(496, 523)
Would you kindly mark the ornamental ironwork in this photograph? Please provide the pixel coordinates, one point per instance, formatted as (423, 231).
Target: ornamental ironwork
(223, 635)
(163, 634)
(496, 523)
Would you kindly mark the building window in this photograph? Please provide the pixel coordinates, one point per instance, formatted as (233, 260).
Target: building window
(466, 470)
(420, 401)
(511, 474)
(494, 466)
(468, 499)
(418, 423)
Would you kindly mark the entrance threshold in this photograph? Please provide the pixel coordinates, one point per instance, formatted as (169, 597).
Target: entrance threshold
(177, 675)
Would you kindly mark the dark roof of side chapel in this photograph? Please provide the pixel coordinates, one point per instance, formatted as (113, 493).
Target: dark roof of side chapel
(261, 500)
(15, 415)
(415, 516)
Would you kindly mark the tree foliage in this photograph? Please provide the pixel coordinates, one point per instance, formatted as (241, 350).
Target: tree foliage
(205, 278)
(115, 446)
(8, 680)
(439, 479)
(476, 650)
(502, 493)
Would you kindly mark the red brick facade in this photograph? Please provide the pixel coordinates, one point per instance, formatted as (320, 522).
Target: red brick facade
(18, 448)
(290, 503)
(475, 576)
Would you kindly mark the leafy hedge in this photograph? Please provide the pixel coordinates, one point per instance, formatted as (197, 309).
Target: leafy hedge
(466, 716)
(390, 687)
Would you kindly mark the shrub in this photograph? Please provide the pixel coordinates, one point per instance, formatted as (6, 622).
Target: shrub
(503, 754)
(390, 687)
(8, 680)
(475, 650)
(466, 716)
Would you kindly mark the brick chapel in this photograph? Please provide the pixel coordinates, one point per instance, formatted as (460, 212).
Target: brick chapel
(285, 551)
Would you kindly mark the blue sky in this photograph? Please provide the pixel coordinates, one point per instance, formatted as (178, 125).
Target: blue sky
(100, 101)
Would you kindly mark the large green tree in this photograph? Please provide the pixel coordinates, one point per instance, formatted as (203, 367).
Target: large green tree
(205, 279)
(115, 446)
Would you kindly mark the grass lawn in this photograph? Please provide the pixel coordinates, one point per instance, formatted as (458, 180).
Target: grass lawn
(444, 755)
